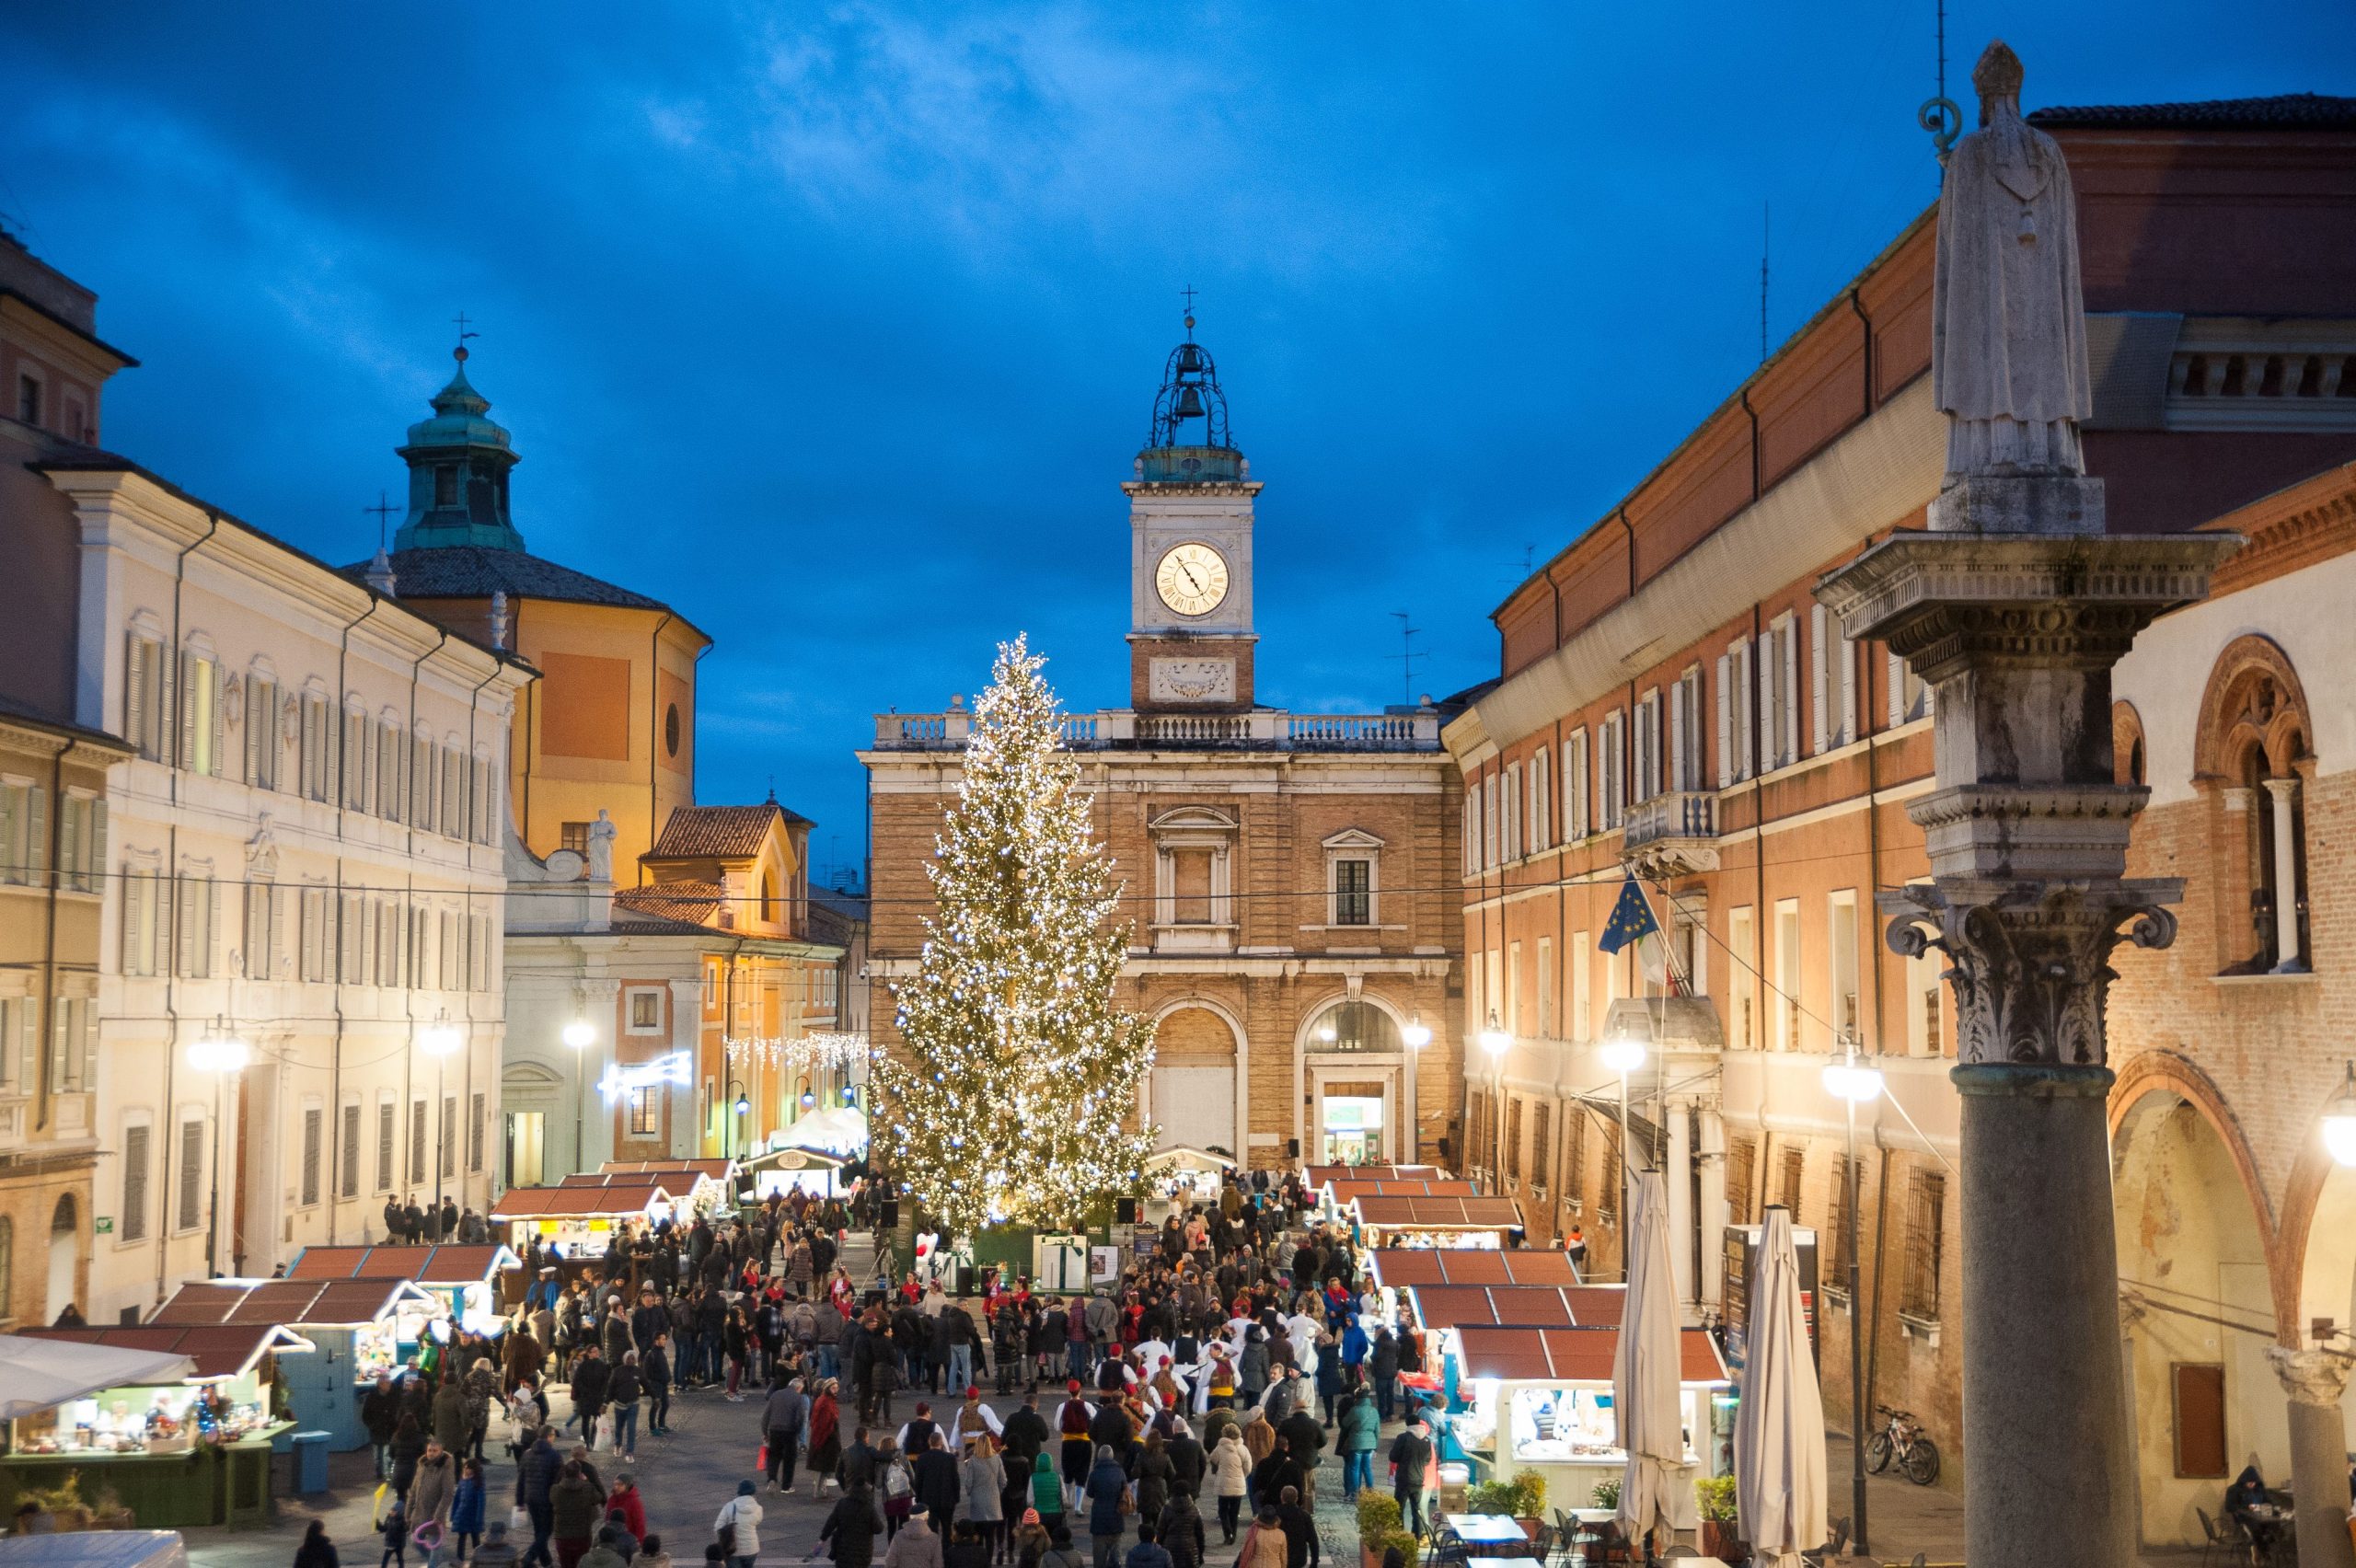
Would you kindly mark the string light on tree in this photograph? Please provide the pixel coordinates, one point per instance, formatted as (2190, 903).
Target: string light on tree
(1008, 1104)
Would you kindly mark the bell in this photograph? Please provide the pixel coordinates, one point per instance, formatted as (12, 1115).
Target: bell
(1190, 358)
(1190, 404)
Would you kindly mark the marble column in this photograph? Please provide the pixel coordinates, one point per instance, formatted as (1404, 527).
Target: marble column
(1679, 1178)
(2016, 631)
(2315, 1380)
(1713, 1220)
(2288, 959)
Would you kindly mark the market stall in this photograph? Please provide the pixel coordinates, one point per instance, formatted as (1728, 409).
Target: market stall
(477, 1282)
(177, 1451)
(1316, 1177)
(359, 1327)
(1335, 1198)
(1541, 1398)
(810, 1170)
(1383, 1221)
(1181, 1176)
(710, 1183)
(1398, 1270)
(838, 1129)
(582, 1218)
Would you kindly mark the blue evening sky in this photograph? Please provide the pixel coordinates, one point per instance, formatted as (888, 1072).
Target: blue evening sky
(835, 327)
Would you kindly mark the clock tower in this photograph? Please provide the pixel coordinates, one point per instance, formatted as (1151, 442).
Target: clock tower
(1190, 548)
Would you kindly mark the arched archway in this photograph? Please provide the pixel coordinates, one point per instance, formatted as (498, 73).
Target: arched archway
(2253, 748)
(65, 1257)
(2195, 1248)
(1197, 1088)
(1355, 1080)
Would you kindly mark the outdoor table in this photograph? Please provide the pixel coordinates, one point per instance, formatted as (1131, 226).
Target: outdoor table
(1595, 1515)
(1487, 1529)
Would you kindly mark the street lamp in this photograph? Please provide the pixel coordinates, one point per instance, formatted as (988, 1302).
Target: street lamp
(1854, 1086)
(742, 1107)
(580, 1036)
(1623, 1053)
(1418, 1034)
(220, 1053)
(2340, 1122)
(440, 1039)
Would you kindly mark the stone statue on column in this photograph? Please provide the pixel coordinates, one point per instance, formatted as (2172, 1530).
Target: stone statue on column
(2008, 327)
(602, 834)
(2013, 607)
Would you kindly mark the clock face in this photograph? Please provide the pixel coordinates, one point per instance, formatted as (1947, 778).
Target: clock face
(1192, 579)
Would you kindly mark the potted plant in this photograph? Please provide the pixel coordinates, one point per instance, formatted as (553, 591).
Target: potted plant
(1721, 1523)
(1380, 1527)
(1606, 1495)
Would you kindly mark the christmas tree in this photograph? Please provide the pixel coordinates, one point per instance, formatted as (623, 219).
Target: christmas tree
(1008, 1101)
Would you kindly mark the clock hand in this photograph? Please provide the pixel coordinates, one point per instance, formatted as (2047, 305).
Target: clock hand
(1192, 581)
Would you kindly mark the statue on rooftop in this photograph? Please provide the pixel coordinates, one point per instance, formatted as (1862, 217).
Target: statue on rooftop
(2008, 343)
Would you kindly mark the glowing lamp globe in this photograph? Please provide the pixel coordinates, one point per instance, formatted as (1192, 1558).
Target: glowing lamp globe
(1623, 1053)
(1418, 1034)
(219, 1054)
(1494, 1039)
(1846, 1080)
(440, 1039)
(578, 1034)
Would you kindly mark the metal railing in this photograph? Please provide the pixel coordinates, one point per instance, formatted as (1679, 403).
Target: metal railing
(1117, 729)
(1679, 814)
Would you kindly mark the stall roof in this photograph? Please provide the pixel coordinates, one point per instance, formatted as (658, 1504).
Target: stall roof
(1403, 1267)
(220, 1351)
(442, 1266)
(715, 1169)
(1571, 1355)
(1320, 1175)
(39, 1375)
(1440, 1214)
(305, 1303)
(1342, 1192)
(578, 1203)
(1530, 1306)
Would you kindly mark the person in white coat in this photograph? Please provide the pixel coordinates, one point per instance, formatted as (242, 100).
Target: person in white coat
(740, 1513)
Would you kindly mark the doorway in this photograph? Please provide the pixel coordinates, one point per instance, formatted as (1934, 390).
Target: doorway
(527, 1148)
(1350, 1127)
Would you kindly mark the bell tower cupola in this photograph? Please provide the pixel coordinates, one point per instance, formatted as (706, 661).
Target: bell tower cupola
(1189, 553)
(458, 462)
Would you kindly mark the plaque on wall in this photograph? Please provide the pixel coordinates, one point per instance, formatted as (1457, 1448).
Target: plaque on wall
(1192, 680)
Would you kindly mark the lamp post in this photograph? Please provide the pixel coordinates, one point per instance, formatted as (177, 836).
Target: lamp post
(579, 1035)
(1416, 1035)
(221, 1054)
(440, 1039)
(1497, 1042)
(1623, 1053)
(1854, 1086)
(740, 1105)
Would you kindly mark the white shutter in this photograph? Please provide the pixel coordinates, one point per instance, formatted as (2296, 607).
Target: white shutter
(133, 922)
(1894, 677)
(1818, 647)
(1676, 735)
(220, 763)
(1791, 735)
(1847, 651)
(1725, 721)
(186, 711)
(135, 695)
(37, 836)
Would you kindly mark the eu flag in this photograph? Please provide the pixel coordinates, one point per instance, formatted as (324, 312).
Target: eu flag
(1632, 919)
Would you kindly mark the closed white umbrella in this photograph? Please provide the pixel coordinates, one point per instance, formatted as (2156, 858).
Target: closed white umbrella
(1779, 1429)
(40, 1374)
(1646, 1376)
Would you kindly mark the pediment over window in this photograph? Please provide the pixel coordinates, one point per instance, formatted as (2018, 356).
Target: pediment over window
(1353, 838)
(1195, 819)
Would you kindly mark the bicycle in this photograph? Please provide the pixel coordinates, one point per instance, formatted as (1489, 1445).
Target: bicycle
(1901, 1438)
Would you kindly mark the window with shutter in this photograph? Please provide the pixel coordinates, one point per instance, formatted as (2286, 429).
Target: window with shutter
(453, 795)
(421, 783)
(384, 1146)
(191, 1175)
(447, 1139)
(348, 1165)
(1510, 814)
(477, 1114)
(314, 1129)
(1541, 802)
(133, 1221)
(1574, 786)
(261, 732)
(417, 1140)
(390, 749)
(1819, 660)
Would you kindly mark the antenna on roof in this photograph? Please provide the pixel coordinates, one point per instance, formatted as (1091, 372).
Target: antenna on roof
(1939, 114)
(1407, 655)
(1766, 230)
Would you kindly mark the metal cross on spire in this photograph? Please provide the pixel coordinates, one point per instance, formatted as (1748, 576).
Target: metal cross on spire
(382, 509)
(460, 320)
(1189, 291)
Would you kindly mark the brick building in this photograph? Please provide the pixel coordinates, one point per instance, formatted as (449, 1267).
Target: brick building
(1673, 702)
(1294, 929)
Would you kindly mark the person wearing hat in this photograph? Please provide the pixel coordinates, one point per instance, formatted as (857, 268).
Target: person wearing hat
(850, 1529)
(738, 1525)
(1072, 1420)
(495, 1550)
(973, 1416)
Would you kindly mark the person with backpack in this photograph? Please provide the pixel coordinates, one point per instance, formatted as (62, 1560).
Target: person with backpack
(898, 1488)
(738, 1527)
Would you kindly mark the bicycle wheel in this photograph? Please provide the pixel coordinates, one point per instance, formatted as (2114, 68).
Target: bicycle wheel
(1922, 1461)
(1878, 1452)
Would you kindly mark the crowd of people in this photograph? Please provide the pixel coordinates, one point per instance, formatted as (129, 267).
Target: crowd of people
(1199, 1390)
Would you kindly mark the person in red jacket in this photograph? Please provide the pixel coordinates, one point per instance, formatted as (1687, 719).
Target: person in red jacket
(625, 1496)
